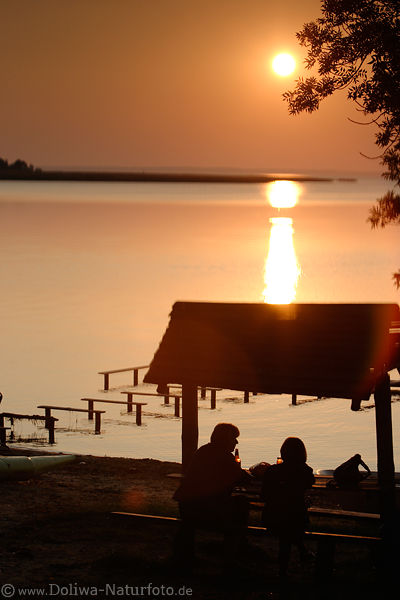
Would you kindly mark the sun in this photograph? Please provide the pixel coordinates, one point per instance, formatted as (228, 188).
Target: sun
(283, 64)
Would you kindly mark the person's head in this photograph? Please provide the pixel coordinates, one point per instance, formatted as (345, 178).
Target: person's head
(293, 450)
(225, 436)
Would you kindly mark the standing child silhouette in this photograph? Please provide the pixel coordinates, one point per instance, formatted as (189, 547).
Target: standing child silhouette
(285, 511)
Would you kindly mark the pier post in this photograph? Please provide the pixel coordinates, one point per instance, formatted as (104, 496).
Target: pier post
(47, 414)
(97, 421)
(213, 399)
(90, 409)
(139, 412)
(177, 406)
(129, 402)
(51, 431)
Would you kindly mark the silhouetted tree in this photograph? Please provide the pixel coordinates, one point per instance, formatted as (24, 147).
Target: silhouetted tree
(19, 164)
(355, 45)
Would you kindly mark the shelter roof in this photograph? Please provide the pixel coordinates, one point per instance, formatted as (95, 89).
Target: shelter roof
(334, 350)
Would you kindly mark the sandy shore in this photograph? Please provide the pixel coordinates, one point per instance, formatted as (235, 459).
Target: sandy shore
(57, 532)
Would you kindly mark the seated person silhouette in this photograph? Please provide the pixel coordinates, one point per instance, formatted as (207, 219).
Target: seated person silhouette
(347, 475)
(204, 495)
(285, 511)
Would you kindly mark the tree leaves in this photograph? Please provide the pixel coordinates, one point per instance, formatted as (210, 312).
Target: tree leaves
(355, 45)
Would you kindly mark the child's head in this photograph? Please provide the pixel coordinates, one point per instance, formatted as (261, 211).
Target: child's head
(293, 450)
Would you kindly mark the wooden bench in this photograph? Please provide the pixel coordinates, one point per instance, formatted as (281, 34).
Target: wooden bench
(178, 397)
(326, 542)
(246, 396)
(49, 423)
(203, 393)
(166, 397)
(327, 512)
(97, 413)
(135, 370)
(214, 390)
(129, 404)
(252, 489)
(339, 513)
(294, 399)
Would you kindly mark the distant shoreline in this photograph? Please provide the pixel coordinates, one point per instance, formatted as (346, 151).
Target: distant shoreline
(117, 176)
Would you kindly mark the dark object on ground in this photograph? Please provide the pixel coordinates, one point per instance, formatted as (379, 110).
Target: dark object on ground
(347, 475)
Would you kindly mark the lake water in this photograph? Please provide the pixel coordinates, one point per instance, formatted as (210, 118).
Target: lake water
(89, 273)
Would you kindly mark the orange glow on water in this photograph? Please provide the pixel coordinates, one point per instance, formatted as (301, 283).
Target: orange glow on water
(281, 267)
(283, 193)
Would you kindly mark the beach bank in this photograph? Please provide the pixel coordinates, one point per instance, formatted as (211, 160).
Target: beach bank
(58, 529)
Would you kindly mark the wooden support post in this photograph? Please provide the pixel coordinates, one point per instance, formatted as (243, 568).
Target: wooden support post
(3, 432)
(246, 397)
(90, 409)
(135, 377)
(213, 399)
(294, 399)
(97, 428)
(106, 381)
(129, 402)
(384, 443)
(3, 436)
(387, 492)
(190, 427)
(51, 431)
(177, 406)
(47, 414)
(203, 391)
(166, 399)
(138, 414)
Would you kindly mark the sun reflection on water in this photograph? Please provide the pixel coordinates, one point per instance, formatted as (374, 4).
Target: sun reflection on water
(282, 269)
(283, 194)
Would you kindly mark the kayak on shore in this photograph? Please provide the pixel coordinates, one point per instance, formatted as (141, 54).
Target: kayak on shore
(25, 467)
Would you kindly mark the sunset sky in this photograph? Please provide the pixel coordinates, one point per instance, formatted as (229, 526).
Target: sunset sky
(165, 83)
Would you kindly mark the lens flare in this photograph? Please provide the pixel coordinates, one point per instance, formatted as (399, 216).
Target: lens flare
(282, 270)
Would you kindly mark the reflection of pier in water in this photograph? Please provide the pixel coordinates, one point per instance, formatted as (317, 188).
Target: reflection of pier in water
(281, 267)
